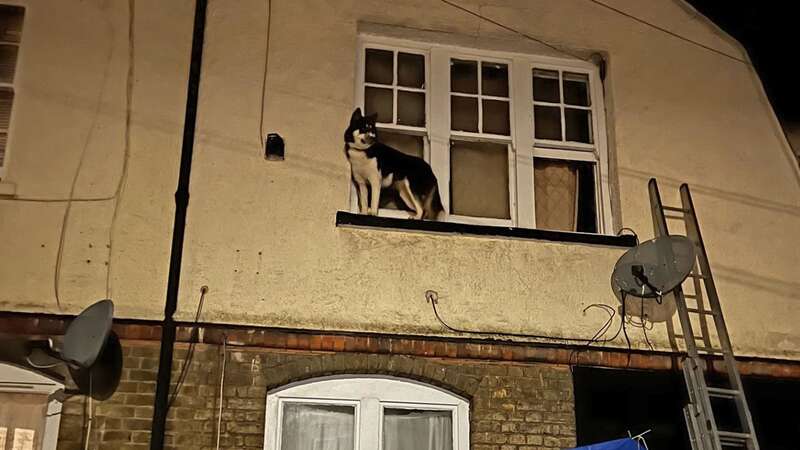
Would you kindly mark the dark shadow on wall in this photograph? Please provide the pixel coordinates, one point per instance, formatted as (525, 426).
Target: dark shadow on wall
(611, 402)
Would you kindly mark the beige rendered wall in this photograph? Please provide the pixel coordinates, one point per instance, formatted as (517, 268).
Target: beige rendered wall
(261, 235)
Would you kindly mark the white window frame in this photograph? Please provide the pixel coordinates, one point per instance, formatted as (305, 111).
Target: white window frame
(521, 143)
(16, 380)
(13, 89)
(369, 395)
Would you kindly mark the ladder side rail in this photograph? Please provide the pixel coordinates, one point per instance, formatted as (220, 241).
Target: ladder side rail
(693, 230)
(657, 209)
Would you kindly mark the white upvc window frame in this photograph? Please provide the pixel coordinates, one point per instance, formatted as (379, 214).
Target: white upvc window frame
(17, 380)
(522, 147)
(369, 395)
(12, 88)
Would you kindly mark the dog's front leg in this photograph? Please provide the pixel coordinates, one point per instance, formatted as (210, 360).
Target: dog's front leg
(362, 196)
(375, 194)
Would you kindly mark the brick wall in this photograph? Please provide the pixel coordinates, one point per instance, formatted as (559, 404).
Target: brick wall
(513, 406)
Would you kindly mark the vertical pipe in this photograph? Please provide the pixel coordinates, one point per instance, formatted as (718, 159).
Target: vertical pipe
(160, 405)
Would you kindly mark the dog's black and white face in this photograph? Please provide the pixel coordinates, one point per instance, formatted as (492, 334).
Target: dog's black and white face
(361, 132)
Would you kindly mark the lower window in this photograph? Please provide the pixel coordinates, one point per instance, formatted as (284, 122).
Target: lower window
(360, 413)
(29, 419)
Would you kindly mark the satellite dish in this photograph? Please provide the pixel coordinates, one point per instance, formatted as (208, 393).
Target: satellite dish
(654, 268)
(101, 378)
(86, 334)
(90, 355)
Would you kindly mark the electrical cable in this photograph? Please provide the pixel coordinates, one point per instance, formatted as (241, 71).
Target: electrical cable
(193, 338)
(636, 236)
(671, 33)
(221, 384)
(126, 144)
(433, 298)
(264, 79)
(513, 30)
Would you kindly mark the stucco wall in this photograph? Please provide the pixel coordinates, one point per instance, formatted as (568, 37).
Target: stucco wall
(261, 235)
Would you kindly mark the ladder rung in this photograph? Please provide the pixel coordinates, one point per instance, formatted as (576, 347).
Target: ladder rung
(734, 436)
(674, 209)
(722, 392)
(700, 311)
(711, 350)
(698, 276)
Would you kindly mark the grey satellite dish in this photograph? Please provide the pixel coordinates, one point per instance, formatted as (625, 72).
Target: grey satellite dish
(90, 353)
(86, 335)
(654, 268)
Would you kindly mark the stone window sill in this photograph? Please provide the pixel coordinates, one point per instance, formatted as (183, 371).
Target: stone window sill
(350, 220)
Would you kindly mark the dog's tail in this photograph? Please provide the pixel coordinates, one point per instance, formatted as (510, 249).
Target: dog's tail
(434, 210)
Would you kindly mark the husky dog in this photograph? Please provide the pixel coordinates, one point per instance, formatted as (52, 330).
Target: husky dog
(375, 165)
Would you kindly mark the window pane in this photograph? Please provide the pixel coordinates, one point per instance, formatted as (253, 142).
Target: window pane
(8, 62)
(411, 70)
(317, 427)
(22, 416)
(545, 86)
(11, 23)
(411, 108)
(579, 125)
(547, 122)
(406, 143)
(379, 66)
(464, 76)
(6, 101)
(576, 89)
(378, 100)
(495, 117)
(479, 179)
(411, 429)
(464, 113)
(494, 78)
(564, 193)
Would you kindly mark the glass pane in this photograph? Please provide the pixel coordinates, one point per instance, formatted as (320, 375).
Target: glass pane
(576, 89)
(378, 100)
(379, 66)
(547, 122)
(494, 78)
(579, 125)
(564, 193)
(8, 62)
(464, 76)
(495, 117)
(6, 101)
(464, 113)
(11, 23)
(411, 70)
(413, 429)
(406, 143)
(479, 179)
(411, 108)
(545, 86)
(317, 427)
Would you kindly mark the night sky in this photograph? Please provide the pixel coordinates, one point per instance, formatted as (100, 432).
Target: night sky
(769, 32)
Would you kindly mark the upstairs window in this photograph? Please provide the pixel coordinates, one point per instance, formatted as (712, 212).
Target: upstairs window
(514, 140)
(365, 413)
(11, 18)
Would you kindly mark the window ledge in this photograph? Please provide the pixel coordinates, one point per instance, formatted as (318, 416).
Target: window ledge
(351, 220)
(7, 189)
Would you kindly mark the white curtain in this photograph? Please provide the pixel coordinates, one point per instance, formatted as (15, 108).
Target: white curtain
(317, 427)
(417, 430)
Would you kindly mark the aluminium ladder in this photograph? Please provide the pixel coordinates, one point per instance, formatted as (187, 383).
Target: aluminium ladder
(704, 434)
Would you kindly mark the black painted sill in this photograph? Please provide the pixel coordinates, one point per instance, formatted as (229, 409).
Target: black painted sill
(351, 220)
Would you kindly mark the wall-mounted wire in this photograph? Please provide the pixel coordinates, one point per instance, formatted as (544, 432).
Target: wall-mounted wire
(261, 134)
(193, 339)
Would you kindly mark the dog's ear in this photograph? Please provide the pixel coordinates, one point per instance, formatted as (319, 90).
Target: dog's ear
(356, 116)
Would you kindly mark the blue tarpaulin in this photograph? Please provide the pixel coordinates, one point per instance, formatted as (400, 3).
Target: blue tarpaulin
(619, 444)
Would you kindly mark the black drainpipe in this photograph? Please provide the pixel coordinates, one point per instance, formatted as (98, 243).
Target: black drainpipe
(160, 405)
